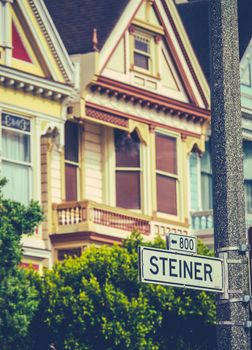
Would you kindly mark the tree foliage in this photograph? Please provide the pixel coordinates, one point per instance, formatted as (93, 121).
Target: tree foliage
(18, 296)
(96, 302)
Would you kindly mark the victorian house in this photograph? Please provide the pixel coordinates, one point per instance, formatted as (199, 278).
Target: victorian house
(36, 82)
(142, 108)
(195, 19)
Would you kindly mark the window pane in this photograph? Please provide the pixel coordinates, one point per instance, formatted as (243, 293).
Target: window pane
(247, 159)
(206, 165)
(142, 44)
(63, 253)
(16, 146)
(248, 196)
(17, 187)
(141, 61)
(166, 154)
(128, 189)
(71, 182)
(166, 195)
(127, 148)
(71, 142)
(206, 191)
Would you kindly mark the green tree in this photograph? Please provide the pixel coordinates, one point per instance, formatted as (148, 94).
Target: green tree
(96, 302)
(18, 296)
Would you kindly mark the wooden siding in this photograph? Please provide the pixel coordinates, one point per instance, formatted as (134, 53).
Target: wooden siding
(93, 162)
(44, 183)
(56, 175)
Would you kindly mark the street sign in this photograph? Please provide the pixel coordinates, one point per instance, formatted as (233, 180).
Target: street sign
(181, 243)
(161, 266)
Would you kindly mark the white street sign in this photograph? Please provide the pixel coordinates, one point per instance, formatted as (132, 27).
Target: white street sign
(181, 243)
(180, 270)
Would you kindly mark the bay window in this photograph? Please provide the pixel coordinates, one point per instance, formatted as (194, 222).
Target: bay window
(128, 171)
(16, 157)
(71, 161)
(166, 174)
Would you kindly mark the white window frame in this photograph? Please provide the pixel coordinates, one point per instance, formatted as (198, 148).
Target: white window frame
(177, 176)
(16, 162)
(133, 169)
(152, 54)
(76, 164)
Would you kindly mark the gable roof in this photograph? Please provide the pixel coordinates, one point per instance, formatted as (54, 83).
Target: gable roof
(76, 19)
(194, 15)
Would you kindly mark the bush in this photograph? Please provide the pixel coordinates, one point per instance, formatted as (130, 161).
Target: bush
(96, 302)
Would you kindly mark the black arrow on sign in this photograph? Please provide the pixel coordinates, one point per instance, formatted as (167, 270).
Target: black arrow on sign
(173, 242)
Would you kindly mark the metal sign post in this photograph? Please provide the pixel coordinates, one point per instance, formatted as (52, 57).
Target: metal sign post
(228, 191)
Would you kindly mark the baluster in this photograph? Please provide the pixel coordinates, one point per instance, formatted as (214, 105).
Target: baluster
(113, 219)
(83, 214)
(91, 214)
(203, 222)
(198, 222)
(63, 217)
(72, 215)
(108, 218)
(124, 223)
(210, 221)
(67, 217)
(77, 215)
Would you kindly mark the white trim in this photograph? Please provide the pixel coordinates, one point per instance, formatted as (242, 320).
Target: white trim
(117, 31)
(46, 84)
(56, 40)
(40, 253)
(123, 23)
(1, 24)
(31, 113)
(35, 35)
(7, 33)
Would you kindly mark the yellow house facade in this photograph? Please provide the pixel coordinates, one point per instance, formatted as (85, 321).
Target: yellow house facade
(142, 108)
(36, 83)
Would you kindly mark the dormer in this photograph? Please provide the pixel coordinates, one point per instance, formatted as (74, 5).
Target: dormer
(152, 52)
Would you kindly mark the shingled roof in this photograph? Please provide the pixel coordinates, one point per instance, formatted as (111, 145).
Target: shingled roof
(76, 19)
(195, 18)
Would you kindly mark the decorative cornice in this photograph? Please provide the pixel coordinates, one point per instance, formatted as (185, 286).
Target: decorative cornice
(48, 39)
(150, 100)
(29, 83)
(107, 117)
(151, 124)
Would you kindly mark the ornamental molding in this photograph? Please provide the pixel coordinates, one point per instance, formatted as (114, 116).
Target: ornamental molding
(146, 99)
(107, 117)
(18, 80)
(34, 6)
(152, 119)
(143, 114)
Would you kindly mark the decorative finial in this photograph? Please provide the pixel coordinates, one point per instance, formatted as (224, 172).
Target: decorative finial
(95, 40)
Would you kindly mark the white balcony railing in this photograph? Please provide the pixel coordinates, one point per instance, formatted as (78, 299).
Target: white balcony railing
(203, 220)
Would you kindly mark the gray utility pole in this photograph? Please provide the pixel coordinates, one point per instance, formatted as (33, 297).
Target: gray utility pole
(229, 212)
